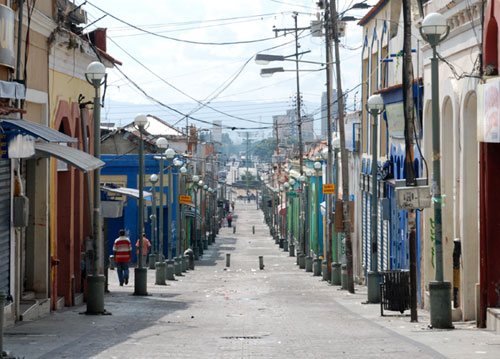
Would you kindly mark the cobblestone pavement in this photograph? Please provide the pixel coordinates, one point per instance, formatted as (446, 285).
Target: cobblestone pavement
(243, 312)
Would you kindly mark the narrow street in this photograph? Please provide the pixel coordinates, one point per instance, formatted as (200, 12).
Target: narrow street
(242, 312)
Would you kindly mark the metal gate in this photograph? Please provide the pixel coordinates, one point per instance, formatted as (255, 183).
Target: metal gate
(5, 225)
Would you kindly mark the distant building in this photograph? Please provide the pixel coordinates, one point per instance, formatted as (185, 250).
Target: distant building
(308, 128)
(281, 124)
(324, 113)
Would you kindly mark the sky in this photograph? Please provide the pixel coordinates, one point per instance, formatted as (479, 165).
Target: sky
(180, 74)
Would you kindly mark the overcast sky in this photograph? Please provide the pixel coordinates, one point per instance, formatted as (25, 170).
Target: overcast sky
(201, 71)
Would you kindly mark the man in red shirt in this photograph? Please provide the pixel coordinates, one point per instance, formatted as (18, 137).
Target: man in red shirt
(122, 248)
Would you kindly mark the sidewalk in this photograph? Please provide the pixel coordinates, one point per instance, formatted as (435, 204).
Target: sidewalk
(243, 312)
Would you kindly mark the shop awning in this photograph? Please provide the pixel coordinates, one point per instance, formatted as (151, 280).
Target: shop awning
(79, 159)
(37, 130)
(131, 192)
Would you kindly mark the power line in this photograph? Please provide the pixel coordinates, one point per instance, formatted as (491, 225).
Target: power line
(181, 40)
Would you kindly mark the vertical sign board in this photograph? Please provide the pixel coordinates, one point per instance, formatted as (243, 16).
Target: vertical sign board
(7, 54)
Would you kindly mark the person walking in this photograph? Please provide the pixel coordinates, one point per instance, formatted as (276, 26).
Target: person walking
(122, 249)
(145, 248)
(229, 220)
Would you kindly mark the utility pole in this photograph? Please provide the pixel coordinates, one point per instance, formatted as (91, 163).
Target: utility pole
(299, 113)
(246, 174)
(409, 144)
(345, 173)
(329, 161)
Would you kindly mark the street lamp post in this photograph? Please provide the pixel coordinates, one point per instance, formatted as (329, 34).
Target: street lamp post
(282, 216)
(202, 225)
(185, 266)
(434, 30)
(317, 261)
(141, 273)
(96, 76)
(162, 144)
(195, 236)
(285, 232)
(178, 245)
(307, 242)
(300, 250)
(154, 233)
(375, 106)
(336, 260)
(290, 239)
(205, 239)
(169, 154)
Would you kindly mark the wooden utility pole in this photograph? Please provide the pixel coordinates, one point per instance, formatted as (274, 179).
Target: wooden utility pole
(411, 179)
(343, 152)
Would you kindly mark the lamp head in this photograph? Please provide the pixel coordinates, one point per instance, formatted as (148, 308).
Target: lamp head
(287, 185)
(317, 166)
(281, 188)
(196, 178)
(140, 120)
(205, 187)
(161, 142)
(309, 173)
(178, 163)
(292, 182)
(336, 142)
(375, 104)
(95, 71)
(434, 24)
(200, 183)
(153, 178)
(302, 179)
(170, 153)
(183, 170)
(270, 71)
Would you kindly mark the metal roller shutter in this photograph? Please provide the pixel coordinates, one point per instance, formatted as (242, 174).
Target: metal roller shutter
(5, 225)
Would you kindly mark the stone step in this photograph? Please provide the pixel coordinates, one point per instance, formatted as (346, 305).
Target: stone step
(493, 319)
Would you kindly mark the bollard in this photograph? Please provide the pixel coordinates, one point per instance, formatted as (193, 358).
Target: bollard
(291, 250)
(234, 229)
(170, 269)
(228, 259)
(184, 261)
(160, 273)
(309, 264)
(302, 261)
(112, 262)
(177, 266)
(343, 278)
(2, 306)
(253, 229)
(336, 274)
(261, 262)
(299, 253)
(190, 255)
(324, 270)
(152, 261)
(316, 267)
(285, 245)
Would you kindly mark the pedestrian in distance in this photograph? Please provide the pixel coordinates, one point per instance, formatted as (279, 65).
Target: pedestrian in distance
(232, 206)
(122, 249)
(145, 248)
(229, 220)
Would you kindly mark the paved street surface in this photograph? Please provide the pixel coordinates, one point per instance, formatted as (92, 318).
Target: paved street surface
(243, 312)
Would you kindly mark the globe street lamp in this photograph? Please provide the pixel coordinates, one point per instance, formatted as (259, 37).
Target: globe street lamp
(434, 29)
(300, 248)
(375, 106)
(140, 273)
(154, 234)
(285, 236)
(317, 262)
(96, 76)
(281, 216)
(169, 154)
(307, 259)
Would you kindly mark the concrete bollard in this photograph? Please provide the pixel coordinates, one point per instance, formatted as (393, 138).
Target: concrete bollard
(336, 274)
(160, 273)
(344, 276)
(234, 229)
(316, 267)
(285, 245)
(309, 264)
(178, 266)
(228, 259)
(261, 262)
(291, 250)
(253, 229)
(302, 261)
(170, 269)
(112, 262)
(152, 261)
(184, 261)
(324, 270)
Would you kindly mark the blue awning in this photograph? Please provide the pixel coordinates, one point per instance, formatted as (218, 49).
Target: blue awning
(37, 130)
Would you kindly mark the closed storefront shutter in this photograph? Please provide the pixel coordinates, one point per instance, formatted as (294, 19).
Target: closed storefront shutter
(4, 225)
